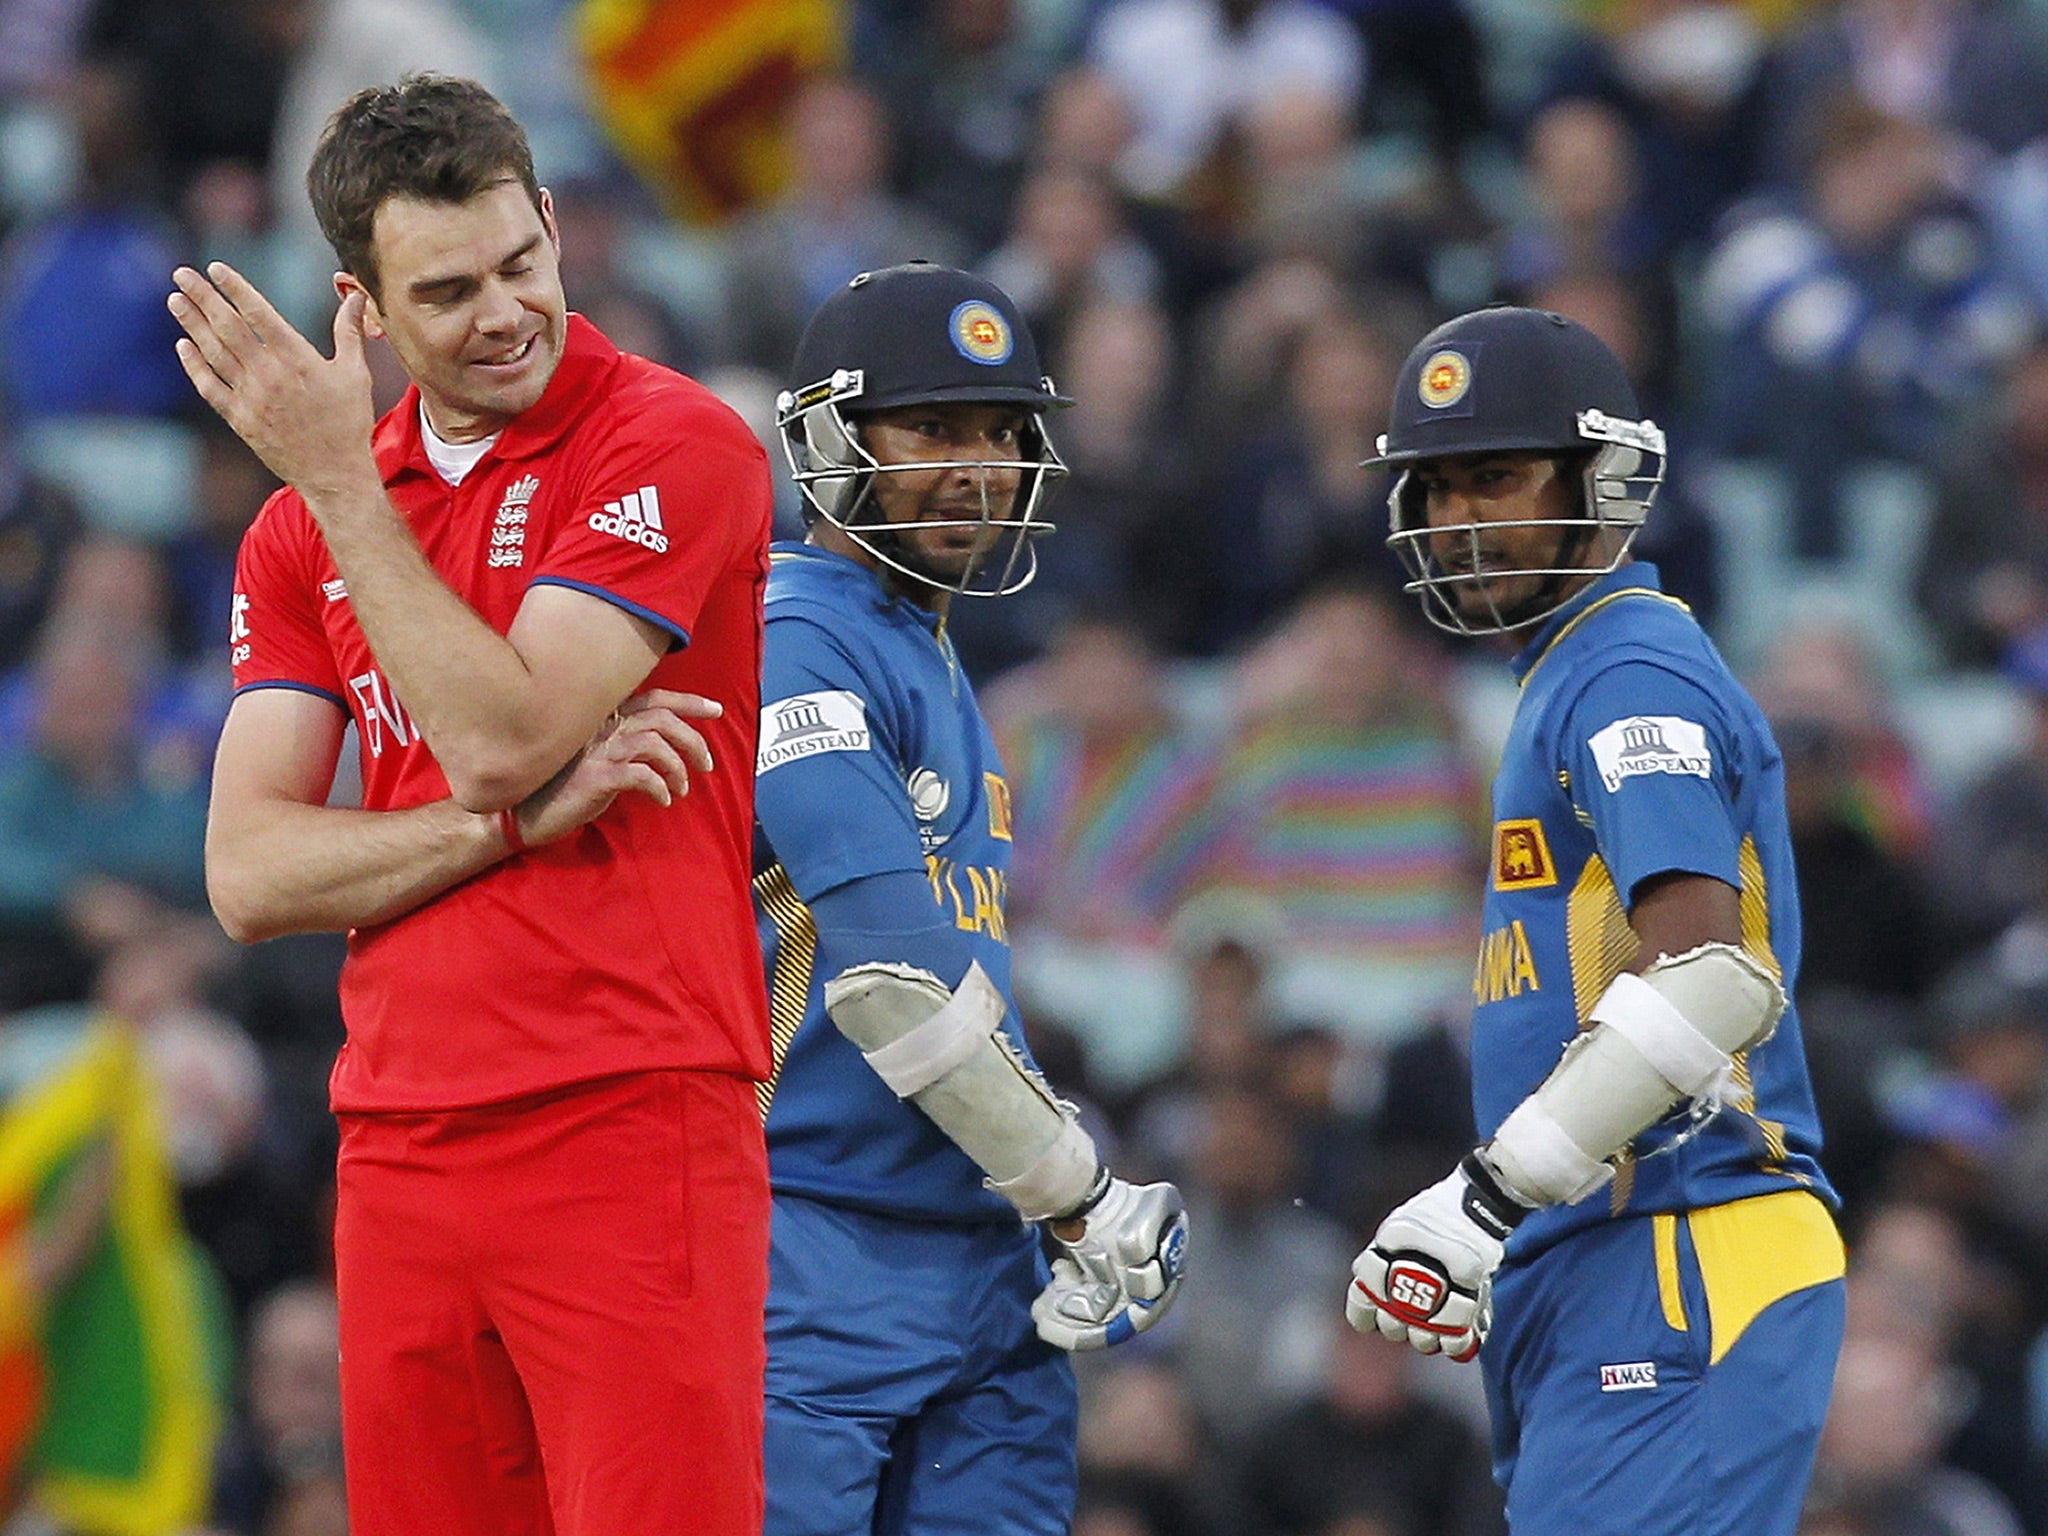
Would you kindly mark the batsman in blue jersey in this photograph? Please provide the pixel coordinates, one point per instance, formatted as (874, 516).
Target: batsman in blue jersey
(917, 1339)
(1642, 1251)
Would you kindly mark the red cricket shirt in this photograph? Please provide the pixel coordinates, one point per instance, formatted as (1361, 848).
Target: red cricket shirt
(629, 945)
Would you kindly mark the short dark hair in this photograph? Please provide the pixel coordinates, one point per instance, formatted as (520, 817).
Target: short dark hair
(432, 137)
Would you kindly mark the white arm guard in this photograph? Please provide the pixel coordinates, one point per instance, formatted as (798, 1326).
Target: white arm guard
(1666, 1035)
(945, 1051)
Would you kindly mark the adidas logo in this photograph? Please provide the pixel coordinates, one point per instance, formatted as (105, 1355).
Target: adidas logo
(636, 518)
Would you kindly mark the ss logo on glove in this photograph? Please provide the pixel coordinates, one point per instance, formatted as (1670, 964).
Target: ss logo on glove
(1416, 1289)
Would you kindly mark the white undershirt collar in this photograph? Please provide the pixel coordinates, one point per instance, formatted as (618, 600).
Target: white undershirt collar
(451, 461)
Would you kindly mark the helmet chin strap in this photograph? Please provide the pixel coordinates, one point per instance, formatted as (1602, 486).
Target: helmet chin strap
(894, 539)
(1571, 547)
(1573, 539)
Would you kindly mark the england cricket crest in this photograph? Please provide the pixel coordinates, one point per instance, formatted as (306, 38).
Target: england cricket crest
(508, 529)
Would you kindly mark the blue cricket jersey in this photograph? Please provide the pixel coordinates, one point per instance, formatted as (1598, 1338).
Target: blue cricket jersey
(874, 759)
(1634, 752)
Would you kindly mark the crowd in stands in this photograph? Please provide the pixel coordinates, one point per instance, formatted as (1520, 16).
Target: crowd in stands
(1247, 780)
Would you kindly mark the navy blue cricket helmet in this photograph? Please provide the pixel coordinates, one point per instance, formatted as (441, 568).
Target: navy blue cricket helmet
(916, 334)
(1509, 380)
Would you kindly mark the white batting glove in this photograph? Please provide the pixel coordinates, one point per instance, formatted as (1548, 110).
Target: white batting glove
(1427, 1276)
(1121, 1275)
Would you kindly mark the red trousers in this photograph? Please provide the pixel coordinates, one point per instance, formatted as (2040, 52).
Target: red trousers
(551, 1313)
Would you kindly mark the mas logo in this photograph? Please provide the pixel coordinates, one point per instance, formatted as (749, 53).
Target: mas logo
(981, 334)
(1650, 744)
(810, 723)
(1521, 856)
(1631, 1376)
(1445, 378)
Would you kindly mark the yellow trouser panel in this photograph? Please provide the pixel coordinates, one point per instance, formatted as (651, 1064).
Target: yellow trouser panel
(1790, 1232)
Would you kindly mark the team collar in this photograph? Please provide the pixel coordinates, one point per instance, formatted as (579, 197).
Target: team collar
(846, 569)
(588, 358)
(1631, 577)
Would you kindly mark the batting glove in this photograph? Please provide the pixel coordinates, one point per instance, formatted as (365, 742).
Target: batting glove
(1427, 1276)
(1120, 1276)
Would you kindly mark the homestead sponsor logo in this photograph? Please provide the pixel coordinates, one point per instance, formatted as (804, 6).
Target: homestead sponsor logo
(1644, 744)
(810, 723)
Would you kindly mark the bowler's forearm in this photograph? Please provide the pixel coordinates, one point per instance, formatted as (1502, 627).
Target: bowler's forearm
(281, 867)
(464, 685)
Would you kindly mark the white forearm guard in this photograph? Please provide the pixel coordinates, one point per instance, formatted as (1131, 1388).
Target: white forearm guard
(945, 1051)
(1669, 1034)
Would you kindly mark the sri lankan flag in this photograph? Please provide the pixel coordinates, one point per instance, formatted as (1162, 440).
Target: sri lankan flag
(695, 92)
(108, 1394)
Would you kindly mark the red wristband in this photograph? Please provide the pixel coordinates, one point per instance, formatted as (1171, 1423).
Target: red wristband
(508, 823)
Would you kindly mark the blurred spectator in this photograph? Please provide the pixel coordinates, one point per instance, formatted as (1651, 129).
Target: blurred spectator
(1976, 68)
(1999, 1030)
(1869, 945)
(247, 1178)
(339, 47)
(1345, 798)
(1321, 1080)
(1584, 188)
(1366, 1444)
(287, 1436)
(211, 76)
(1146, 1457)
(1124, 542)
(1103, 782)
(99, 841)
(83, 328)
(38, 525)
(962, 94)
(1957, 1285)
(837, 218)
(1295, 508)
(597, 217)
(1428, 69)
(232, 486)
(1637, 317)
(1301, 193)
(1991, 860)
(1083, 124)
(1067, 246)
(1824, 667)
(1858, 320)
(1984, 579)
(1894, 1402)
(1865, 920)
(1228, 951)
(1685, 77)
(1422, 1120)
(1247, 340)
(1187, 71)
(1255, 1320)
(39, 43)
